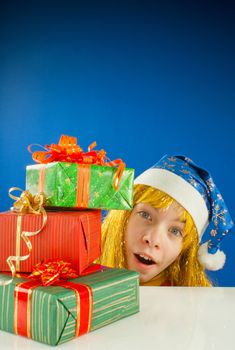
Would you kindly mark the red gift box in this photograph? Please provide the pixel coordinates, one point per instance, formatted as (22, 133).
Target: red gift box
(73, 236)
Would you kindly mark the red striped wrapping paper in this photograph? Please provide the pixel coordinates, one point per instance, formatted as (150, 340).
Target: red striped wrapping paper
(73, 236)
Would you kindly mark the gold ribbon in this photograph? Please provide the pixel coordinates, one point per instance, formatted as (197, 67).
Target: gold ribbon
(26, 203)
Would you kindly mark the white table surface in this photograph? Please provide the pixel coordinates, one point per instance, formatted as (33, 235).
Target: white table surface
(169, 318)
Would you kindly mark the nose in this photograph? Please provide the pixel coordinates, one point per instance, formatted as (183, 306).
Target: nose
(153, 237)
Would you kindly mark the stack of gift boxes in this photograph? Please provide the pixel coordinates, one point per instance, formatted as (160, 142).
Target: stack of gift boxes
(50, 288)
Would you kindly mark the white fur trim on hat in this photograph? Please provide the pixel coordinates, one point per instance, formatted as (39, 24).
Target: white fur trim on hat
(211, 262)
(179, 189)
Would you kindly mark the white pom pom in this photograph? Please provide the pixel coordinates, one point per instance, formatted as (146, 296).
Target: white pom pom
(211, 262)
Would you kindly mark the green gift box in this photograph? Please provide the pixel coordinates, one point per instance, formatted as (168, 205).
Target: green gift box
(56, 314)
(80, 185)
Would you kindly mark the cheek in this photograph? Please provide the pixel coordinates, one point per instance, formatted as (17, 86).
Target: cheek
(177, 250)
(173, 249)
(129, 235)
(132, 233)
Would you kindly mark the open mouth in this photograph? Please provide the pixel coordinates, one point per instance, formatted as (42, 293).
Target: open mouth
(144, 259)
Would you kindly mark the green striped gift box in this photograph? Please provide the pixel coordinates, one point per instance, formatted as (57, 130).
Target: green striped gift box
(53, 309)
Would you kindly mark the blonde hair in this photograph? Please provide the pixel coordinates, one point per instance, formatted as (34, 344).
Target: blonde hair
(184, 271)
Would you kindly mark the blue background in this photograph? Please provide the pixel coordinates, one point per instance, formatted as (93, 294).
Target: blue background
(141, 78)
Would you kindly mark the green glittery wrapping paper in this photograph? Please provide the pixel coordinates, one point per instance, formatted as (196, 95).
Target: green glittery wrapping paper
(52, 309)
(62, 180)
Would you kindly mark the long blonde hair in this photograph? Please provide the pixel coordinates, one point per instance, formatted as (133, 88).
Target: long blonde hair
(184, 271)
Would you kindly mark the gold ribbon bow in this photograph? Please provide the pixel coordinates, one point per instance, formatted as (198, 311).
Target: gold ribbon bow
(26, 203)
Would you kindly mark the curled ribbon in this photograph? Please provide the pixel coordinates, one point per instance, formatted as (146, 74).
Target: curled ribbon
(67, 150)
(26, 203)
(53, 271)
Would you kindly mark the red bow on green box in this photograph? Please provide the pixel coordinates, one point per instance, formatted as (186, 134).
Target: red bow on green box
(67, 150)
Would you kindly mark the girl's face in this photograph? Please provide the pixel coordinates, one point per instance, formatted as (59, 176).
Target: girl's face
(153, 239)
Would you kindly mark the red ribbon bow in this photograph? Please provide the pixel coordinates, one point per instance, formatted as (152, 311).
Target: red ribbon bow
(67, 150)
(53, 271)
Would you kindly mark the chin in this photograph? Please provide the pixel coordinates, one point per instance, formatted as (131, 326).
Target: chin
(144, 279)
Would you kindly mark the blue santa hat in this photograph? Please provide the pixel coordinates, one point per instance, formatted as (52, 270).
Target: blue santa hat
(193, 188)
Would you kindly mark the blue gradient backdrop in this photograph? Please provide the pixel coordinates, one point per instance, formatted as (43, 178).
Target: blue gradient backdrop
(141, 78)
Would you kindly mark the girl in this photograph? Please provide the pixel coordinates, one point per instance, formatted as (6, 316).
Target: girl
(174, 201)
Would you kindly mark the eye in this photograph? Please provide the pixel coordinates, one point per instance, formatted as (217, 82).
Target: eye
(145, 215)
(176, 231)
